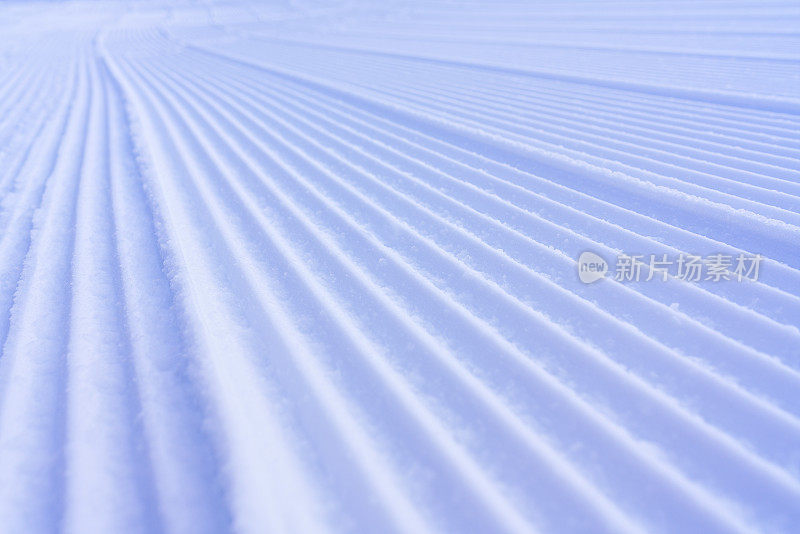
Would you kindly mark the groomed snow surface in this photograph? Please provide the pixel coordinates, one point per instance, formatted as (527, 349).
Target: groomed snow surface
(303, 267)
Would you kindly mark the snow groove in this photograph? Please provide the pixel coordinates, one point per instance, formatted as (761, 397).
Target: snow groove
(294, 268)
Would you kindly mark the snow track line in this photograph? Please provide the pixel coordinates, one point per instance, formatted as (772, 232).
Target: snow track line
(15, 242)
(107, 457)
(17, 136)
(180, 445)
(287, 252)
(607, 155)
(434, 80)
(742, 114)
(340, 418)
(395, 138)
(787, 369)
(352, 330)
(242, 442)
(634, 190)
(765, 103)
(34, 373)
(358, 112)
(689, 159)
(408, 133)
(525, 89)
(372, 136)
(302, 269)
(780, 167)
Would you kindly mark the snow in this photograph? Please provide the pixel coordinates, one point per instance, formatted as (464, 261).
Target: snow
(312, 266)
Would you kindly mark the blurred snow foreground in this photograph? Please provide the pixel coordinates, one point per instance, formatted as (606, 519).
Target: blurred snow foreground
(312, 267)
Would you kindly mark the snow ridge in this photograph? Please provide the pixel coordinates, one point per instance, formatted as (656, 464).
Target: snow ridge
(305, 268)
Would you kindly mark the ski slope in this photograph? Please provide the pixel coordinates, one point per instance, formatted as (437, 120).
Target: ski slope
(311, 267)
